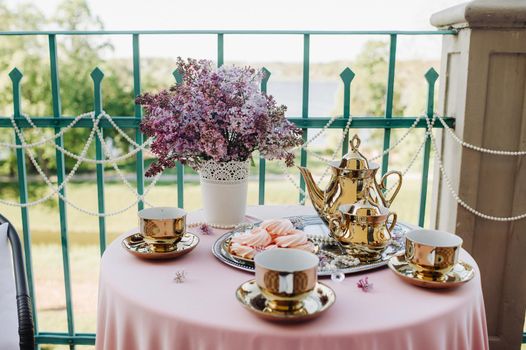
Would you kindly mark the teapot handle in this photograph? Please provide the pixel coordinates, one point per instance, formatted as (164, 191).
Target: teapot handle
(383, 186)
(393, 223)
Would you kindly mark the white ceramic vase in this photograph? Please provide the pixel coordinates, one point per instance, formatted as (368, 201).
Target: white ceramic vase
(224, 191)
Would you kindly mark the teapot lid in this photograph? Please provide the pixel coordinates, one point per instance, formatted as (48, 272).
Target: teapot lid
(364, 207)
(354, 160)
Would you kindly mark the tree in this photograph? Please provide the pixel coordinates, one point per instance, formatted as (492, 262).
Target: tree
(77, 57)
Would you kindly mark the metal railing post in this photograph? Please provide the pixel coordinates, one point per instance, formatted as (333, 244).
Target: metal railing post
(431, 77)
(97, 75)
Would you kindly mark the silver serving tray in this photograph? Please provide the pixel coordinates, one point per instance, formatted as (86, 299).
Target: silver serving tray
(332, 258)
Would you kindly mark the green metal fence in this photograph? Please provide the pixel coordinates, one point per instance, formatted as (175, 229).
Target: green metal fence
(304, 121)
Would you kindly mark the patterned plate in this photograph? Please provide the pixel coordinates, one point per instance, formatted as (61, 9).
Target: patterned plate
(332, 258)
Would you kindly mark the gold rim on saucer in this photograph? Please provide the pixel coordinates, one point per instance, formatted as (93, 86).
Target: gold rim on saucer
(136, 245)
(317, 302)
(461, 273)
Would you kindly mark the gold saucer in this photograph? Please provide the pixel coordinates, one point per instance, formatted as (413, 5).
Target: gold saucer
(136, 245)
(317, 302)
(461, 273)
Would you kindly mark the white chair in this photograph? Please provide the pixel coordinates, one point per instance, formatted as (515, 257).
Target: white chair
(16, 319)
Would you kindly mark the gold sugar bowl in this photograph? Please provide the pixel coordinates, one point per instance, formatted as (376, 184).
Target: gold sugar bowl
(363, 228)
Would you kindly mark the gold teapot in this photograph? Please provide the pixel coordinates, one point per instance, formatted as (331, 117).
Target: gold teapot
(362, 228)
(351, 178)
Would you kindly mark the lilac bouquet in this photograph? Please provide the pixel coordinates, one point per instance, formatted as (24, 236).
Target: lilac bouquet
(215, 114)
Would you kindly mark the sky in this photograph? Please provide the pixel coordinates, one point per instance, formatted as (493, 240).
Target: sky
(268, 14)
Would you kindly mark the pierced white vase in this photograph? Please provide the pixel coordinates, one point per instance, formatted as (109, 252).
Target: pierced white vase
(224, 191)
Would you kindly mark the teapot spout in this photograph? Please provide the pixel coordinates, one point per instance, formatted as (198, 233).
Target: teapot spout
(315, 193)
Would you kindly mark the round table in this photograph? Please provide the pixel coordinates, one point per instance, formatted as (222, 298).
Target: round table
(141, 307)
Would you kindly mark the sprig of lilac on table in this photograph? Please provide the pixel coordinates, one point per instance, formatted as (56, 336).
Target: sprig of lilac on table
(215, 113)
(364, 284)
(180, 276)
(205, 229)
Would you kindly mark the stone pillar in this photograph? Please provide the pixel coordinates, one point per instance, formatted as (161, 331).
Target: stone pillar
(483, 85)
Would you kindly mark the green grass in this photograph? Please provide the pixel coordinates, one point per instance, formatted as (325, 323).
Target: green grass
(83, 238)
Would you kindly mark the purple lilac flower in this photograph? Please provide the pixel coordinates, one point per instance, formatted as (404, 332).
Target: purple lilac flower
(205, 229)
(364, 284)
(215, 113)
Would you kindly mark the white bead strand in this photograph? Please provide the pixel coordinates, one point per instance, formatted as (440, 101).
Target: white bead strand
(455, 194)
(44, 176)
(478, 148)
(47, 139)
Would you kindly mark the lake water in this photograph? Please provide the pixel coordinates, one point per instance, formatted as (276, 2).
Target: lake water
(322, 97)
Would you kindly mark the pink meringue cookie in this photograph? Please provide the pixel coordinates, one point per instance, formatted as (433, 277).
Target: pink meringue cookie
(243, 251)
(309, 247)
(293, 239)
(258, 237)
(277, 227)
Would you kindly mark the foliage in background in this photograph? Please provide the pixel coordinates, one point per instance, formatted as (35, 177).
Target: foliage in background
(79, 55)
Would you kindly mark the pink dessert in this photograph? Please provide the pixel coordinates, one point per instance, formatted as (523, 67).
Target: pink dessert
(243, 251)
(277, 227)
(258, 237)
(275, 233)
(293, 239)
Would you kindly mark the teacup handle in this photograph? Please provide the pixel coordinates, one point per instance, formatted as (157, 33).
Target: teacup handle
(393, 223)
(383, 186)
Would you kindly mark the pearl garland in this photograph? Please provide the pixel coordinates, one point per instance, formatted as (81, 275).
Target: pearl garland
(48, 139)
(413, 159)
(347, 260)
(126, 137)
(455, 194)
(400, 140)
(337, 150)
(69, 176)
(75, 156)
(477, 148)
(142, 147)
(39, 170)
(107, 153)
(321, 132)
(221, 227)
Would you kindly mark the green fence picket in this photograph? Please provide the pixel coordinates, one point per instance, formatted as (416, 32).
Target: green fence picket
(61, 174)
(347, 76)
(262, 162)
(431, 77)
(304, 107)
(179, 166)
(220, 49)
(389, 100)
(16, 76)
(139, 138)
(97, 75)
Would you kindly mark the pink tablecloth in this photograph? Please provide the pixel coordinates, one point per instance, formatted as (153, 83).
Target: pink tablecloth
(141, 307)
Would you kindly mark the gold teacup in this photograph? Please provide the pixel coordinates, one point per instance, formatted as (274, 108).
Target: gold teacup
(432, 253)
(162, 227)
(286, 276)
(363, 229)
